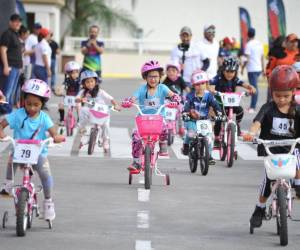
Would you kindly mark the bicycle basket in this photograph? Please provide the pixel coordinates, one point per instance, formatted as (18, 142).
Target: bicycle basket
(149, 124)
(280, 166)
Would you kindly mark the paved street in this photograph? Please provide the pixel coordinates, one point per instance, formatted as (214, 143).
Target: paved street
(97, 209)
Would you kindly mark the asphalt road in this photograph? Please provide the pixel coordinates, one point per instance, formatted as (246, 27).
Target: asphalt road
(97, 209)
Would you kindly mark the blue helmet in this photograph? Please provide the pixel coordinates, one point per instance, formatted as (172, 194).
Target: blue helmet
(88, 74)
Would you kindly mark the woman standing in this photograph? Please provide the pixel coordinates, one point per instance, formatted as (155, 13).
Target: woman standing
(42, 67)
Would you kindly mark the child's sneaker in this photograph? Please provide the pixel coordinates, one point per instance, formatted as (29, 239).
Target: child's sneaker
(49, 212)
(106, 146)
(163, 149)
(135, 166)
(6, 187)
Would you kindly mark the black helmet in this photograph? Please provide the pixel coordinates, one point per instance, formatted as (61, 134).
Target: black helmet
(230, 64)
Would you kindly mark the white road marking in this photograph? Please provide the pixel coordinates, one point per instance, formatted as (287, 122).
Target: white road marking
(141, 180)
(143, 195)
(143, 245)
(143, 219)
(120, 143)
(176, 147)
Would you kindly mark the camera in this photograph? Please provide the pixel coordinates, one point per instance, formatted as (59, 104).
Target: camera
(183, 46)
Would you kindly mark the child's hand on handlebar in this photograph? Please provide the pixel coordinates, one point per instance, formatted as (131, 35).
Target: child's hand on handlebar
(59, 138)
(251, 90)
(127, 103)
(248, 137)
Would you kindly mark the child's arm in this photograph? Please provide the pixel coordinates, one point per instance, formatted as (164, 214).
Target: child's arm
(2, 97)
(3, 125)
(57, 138)
(115, 105)
(249, 87)
(255, 127)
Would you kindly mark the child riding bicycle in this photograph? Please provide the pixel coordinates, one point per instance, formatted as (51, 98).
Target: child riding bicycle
(92, 92)
(227, 81)
(30, 122)
(276, 120)
(72, 86)
(197, 106)
(150, 97)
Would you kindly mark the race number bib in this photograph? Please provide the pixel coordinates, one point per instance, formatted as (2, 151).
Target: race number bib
(100, 108)
(70, 101)
(281, 126)
(231, 100)
(170, 114)
(152, 103)
(204, 127)
(26, 153)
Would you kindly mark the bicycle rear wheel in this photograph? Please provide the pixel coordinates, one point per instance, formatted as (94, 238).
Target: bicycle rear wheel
(92, 141)
(282, 216)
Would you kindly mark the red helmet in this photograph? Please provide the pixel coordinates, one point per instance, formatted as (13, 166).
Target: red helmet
(283, 77)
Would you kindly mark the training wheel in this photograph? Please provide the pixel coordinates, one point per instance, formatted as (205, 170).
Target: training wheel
(251, 230)
(4, 219)
(50, 224)
(167, 179)
(235, 155)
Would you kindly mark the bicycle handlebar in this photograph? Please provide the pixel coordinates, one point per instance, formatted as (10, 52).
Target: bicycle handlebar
(49, 141)
(156, 113)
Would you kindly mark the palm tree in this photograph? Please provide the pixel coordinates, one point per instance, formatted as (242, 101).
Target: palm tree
(83, 12)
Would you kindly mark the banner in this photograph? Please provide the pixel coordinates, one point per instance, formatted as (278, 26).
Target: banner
(276, 19)
(245, 24)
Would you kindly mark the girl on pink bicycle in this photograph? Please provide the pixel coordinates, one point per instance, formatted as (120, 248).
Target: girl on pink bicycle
(150, 97)
(276, 120)
(30, 122)
(72, 86)
(92, 92)
(227, 81)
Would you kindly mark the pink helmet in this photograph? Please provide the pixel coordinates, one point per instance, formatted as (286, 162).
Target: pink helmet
(174, 65)
(150, 66)
(71, 65)
(199, 76)
(37, 87)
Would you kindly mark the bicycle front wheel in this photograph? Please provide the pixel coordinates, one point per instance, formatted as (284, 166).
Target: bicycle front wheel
(230, 144)
(204, 156)
(22, 213)
(147, 167)
(282, 216)
(92, 141)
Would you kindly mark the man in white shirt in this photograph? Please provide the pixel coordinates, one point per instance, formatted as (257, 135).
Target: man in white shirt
(255, 64)
(211, 48)
(30, 44)
(189, 55)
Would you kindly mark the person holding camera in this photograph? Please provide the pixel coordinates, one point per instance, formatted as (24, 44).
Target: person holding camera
(189, 55)
(92, 50)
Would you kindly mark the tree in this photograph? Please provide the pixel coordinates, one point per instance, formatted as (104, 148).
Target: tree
(83, 12)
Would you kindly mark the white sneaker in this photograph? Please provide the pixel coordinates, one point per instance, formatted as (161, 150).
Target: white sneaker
(6, 188)
(251, 111)
(49, 212)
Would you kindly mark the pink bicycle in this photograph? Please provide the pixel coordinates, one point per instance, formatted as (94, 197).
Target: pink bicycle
(149, 127)
(228, 133)
(70, 121)
(26, 153)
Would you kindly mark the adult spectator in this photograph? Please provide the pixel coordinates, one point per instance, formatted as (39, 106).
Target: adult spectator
(211, 48)
(287, 56)
(92, 50)
(189, 55)
(225, 50)
(54, 51)
(254, 53)
(42, 66)
(10, 61)
(30, 44)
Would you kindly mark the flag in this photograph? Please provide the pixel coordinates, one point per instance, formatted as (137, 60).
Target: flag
(245, 24)
(276, 19)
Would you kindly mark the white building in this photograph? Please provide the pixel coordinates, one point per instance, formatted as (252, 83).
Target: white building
(46, 12)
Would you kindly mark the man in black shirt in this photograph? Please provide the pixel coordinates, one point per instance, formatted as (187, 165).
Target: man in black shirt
(10, 61)
(55, 50)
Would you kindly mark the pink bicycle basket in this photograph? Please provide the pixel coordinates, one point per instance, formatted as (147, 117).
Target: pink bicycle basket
(149, 124)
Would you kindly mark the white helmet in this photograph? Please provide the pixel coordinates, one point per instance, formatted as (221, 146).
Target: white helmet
(199, 76)
(174, 65)
(37, 87)
(72, 65)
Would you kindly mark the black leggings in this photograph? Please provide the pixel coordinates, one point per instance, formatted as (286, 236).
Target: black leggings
(239, 111)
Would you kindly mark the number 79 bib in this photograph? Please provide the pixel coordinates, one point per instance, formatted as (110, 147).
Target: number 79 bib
(26, 153)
